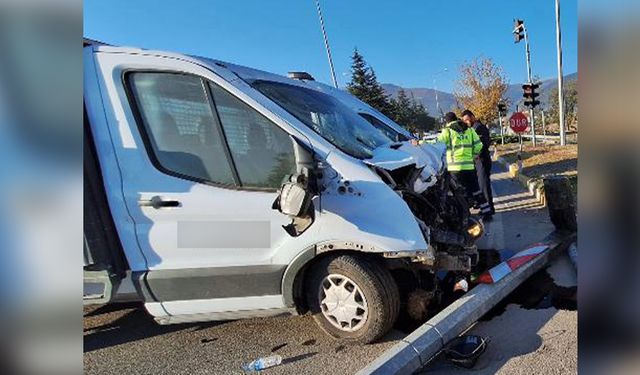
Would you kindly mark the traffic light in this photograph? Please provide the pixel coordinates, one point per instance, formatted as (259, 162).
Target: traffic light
(502, 109)
(518, 30)
(530, 95)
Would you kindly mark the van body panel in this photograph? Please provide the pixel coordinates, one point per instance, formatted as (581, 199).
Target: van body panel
(216, 305)
(368, 212)
(212, 282)
(105, 150)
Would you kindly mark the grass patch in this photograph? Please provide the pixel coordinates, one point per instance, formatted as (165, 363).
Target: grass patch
(546, 160)
(541, 161)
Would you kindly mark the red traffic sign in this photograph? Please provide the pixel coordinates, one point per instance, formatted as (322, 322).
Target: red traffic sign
(518, 122)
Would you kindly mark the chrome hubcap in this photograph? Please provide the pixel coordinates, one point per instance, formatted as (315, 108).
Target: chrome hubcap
(342, 303)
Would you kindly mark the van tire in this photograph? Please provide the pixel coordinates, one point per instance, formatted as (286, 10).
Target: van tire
(378, 287)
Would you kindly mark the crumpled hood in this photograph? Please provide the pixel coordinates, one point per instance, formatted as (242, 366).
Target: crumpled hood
(392, 157)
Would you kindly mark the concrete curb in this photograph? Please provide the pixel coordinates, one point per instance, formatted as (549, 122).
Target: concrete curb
(419, 347)
(534, 185)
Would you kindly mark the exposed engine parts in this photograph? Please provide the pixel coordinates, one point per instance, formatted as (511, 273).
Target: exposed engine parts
(442, 213)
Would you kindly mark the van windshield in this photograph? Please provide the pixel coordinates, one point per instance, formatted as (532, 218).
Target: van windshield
(327, 116)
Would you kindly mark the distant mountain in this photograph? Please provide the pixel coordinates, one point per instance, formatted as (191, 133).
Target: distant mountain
(426, 96)
(448, 102)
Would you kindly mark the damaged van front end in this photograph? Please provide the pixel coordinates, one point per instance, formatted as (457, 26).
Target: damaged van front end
(436, 201)
(398, 208)
(371, 211)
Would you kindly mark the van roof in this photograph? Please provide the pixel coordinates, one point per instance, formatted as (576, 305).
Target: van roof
(250, 74)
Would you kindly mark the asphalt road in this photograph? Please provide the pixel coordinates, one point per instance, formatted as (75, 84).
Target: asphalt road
(128, 341)
(124, 339)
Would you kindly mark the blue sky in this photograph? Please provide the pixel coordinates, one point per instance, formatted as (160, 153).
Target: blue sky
(408, 43)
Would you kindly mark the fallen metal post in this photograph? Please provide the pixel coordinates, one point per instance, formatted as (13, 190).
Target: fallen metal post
(423, 344)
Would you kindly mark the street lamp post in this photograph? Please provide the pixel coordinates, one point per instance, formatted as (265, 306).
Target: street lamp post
(563, 136)
(435, 90)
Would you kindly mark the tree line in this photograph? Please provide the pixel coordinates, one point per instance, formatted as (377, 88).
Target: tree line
(480, 86)
(403, 109)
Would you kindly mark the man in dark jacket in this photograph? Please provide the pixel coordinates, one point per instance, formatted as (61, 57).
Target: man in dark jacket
(483, 163)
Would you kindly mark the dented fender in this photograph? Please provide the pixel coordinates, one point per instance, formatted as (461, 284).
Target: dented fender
(357, 206)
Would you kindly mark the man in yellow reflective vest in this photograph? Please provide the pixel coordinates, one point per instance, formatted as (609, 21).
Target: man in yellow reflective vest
(463, 147)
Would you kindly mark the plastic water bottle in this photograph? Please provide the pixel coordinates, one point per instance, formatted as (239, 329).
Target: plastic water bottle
(262, 363)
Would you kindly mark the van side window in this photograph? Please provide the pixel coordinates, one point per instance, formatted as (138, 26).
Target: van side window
(181, 127)
(262, 152)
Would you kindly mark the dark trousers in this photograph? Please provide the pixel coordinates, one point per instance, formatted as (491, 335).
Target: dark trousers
(469, 180)
(483, 169)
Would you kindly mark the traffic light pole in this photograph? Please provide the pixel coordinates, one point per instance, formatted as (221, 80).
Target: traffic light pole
(528, 56)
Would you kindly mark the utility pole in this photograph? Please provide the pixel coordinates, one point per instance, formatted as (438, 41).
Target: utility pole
(563, 135)
(520, 31)
(435, 91)
(326, 45)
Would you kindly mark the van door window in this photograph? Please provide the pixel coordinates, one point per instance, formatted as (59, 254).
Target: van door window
(181, 127)
(262, 152)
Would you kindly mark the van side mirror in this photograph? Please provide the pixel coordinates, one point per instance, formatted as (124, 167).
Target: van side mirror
(297, 191)
(295, 198)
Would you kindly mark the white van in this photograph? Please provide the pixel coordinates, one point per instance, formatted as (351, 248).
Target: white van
(212, 194)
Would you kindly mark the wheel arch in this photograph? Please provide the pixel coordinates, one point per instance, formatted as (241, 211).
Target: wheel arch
(294, 275)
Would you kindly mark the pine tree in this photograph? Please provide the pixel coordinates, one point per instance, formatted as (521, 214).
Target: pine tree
(378, 98)
(402, 110)
(410, 113)
(364, 84)
(358, 85)
(421, 119)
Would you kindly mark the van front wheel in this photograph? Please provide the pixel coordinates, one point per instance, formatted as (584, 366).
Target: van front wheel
(352, 298)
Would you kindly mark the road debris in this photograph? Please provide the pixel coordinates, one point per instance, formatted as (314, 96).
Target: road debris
(465, 350)
(262, 363)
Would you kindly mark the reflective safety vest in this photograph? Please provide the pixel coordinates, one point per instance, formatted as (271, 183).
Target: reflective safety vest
(462, 147)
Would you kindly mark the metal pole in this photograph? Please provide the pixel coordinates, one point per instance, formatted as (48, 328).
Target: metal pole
(501, 128)
(520, 152)
(435, 91)
(326, 45)
(544, 124)
(528, 55)
(563, 136)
